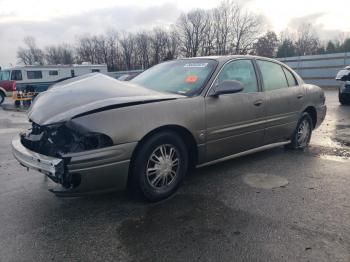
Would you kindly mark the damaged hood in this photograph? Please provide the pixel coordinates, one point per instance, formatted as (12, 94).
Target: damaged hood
(88, 94)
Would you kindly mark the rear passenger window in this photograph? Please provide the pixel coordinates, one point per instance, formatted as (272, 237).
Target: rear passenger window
(243, 71)
(34, 75)
(290, 78)
(273, 75)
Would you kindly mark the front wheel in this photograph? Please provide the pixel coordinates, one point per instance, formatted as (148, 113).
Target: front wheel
(159, 166)
(302, 135)
(2, 98)
(344, 99)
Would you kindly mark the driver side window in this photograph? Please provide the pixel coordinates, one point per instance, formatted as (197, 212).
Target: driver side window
(243, 71)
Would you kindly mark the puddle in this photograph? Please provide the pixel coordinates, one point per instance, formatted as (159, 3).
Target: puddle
(341, 154)
(342, 134)
(265, 181)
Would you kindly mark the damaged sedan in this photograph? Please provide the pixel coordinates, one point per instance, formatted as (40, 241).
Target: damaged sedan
(97, 134)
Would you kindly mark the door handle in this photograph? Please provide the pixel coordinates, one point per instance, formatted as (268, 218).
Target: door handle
(300, 96)
(258, 102)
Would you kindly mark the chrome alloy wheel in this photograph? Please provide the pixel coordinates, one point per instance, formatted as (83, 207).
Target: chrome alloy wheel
(163, 166)
(304, 132)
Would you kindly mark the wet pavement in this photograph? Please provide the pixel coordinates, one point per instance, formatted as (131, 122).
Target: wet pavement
(277, 205)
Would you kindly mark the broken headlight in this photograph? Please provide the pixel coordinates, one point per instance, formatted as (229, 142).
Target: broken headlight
(59, 139)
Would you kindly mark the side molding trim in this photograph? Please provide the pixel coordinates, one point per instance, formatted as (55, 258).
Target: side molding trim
(251, 151)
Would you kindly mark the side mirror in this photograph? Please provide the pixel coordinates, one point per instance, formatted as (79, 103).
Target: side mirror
(228, 87)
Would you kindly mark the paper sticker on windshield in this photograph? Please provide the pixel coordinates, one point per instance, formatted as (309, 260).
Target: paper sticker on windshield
(196, 65)
(191, 79)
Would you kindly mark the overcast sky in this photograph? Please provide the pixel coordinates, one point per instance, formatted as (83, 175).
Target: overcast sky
(60, 21)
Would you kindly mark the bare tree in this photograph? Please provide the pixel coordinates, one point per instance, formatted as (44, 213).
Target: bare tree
(266, 45)
(86, 49)
(158, 40)
(227, 29)
(307, 41)
(222, 17)
(127, 43)
(143, 48)
(30, 54)
(113, 50)
(208, 41)
(172, 44)
(245, 28)
(61, 54)
(191, 30)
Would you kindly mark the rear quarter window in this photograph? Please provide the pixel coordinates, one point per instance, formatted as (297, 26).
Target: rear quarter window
(290, 77)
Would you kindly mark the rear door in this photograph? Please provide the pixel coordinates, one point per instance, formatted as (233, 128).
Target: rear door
(282, 107)
(235, 122)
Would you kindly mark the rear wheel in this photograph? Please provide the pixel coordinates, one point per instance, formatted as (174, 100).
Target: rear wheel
(302, 135)
(344, 99)
(159, 166)
(2, 97)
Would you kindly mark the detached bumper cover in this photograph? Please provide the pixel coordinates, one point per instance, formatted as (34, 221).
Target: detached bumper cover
(99, 170)
(44, 164)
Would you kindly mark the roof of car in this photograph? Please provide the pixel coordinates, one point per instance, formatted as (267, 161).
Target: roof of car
(228, 57)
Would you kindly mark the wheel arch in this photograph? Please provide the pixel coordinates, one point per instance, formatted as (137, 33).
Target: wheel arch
(183, 132)
(311, 110)
(3, 91)
(2, 94)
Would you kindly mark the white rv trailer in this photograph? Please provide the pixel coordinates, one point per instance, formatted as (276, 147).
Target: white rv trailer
(38, 78)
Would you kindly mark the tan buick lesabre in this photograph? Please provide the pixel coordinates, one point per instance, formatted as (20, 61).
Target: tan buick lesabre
(94, 133)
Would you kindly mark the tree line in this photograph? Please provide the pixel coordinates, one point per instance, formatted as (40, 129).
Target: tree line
(227, 29)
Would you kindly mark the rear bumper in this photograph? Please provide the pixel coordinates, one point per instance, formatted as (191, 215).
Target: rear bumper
(321, 114)
(93, 171)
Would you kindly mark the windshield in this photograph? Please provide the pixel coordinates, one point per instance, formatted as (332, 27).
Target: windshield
(185, 77)
(5, 75)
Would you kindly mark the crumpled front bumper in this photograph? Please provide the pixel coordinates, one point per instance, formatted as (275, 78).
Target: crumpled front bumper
(99, 170)
(44, 164)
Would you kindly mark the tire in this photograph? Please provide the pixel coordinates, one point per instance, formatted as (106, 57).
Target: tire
(344, 99)
(302, 134)
(2, 98)
(153, 175)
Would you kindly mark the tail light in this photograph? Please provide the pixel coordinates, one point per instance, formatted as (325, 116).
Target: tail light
(14, 86)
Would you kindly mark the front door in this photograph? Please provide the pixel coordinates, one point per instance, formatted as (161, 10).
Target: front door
(235, 122)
